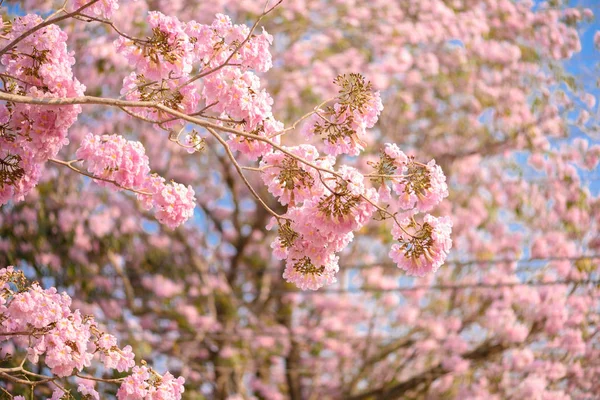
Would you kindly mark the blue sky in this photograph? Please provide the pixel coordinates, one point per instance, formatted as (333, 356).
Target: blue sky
(586, 65)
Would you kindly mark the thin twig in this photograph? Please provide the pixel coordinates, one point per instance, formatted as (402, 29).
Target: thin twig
(241, 173)
(235, 51)
(69, 164)
(44, 24)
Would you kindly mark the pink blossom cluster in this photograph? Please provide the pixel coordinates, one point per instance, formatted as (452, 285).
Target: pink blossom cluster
(162, 66)
(238, 94)
(215, 43)
(168, 53)
(112, 356)
(173, 93)
(227, 54)
(410, 187)
(422, 248)
(42, 322)
(115, 158)
(101, 8)
(325, 207)
(174, 203)
(343, 127)
(145, 384)
(290, 180)
(64, 337)
(253, 148)
(39, 66)
(124, 163)
(235, 91)
(322, 226)
(347, 205)
(417, 185)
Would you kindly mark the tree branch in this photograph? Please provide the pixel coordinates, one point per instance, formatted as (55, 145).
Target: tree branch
(484, 351)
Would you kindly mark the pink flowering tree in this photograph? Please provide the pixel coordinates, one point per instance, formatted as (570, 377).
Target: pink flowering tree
(298, 199)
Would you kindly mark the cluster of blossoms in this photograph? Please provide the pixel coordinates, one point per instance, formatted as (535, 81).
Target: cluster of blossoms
(235, 91)
(124, 163)
(239, 95)
(174, 202)
(325, 206)
(417, 185)
(425, 249)
(169, 92)
(145, 383)
(101, 8)
(162, 65)
(166, 54)
(343, 126)
(38, 66)
(323, 226)
(422, 247)
(290, 180)
(216, 43)
(226, 55)
(41, 321)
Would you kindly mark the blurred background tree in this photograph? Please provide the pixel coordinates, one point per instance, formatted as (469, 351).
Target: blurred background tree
(501, 93)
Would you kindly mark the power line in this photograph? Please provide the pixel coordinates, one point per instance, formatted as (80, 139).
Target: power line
(525, 262)
(483, 261)
(442, 287)
(288, 335)
(533, 179)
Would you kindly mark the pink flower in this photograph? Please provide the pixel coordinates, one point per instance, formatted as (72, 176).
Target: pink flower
(343, 126)
(88, 391)
(422, 186)
(291, 180)
(145, 384)
(238, 94)
(67, 346)
(345, 206)
(172, 93)
(41, 66)
(254, 148)
(174, 204)
(169, 53)
(114, 158)
(125, 162)
(42, 322)
(310, 252)
(214, 44)
(102, 8)
(120, 359)
(423, 248)
(306, 274)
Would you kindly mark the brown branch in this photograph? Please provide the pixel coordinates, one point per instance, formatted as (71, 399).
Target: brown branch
(235, 51)
(211, 127)
(241, 173)
(484, 351)
(383, 353)
(43, 25)
(69, 164)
